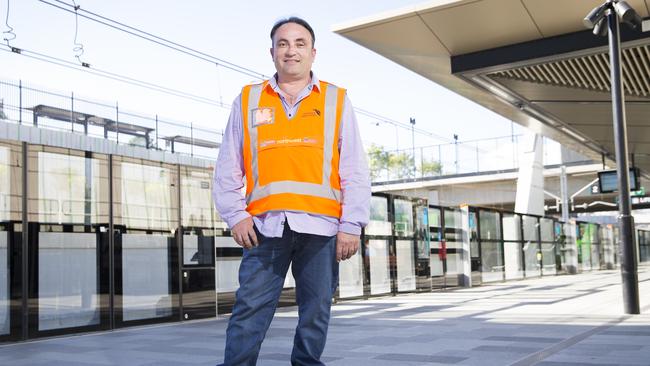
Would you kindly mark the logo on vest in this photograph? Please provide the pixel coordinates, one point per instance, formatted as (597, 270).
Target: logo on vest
(263, 116)
(289, 142)
(313, 113)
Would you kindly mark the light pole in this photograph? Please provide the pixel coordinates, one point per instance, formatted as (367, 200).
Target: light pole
(456, 151)
(412, 121)
(603, 19)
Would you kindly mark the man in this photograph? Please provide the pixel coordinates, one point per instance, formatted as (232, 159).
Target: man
(296, 141)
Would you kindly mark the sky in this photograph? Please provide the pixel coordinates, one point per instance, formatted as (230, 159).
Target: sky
(238, 32)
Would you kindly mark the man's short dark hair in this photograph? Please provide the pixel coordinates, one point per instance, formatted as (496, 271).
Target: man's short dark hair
(295, 20)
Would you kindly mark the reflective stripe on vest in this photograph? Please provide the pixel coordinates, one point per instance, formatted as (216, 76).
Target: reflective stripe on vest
(323, 190)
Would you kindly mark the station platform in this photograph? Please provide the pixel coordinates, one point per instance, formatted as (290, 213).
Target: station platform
(573, 320)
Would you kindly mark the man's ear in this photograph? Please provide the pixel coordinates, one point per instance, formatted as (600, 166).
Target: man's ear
(271, 51)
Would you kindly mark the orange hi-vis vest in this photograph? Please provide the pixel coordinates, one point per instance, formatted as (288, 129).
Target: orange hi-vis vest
(292, 164)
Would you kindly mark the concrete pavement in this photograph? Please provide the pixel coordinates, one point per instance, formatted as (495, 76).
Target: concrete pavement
(565, 320)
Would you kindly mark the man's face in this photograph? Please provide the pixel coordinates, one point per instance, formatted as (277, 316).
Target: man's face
(293, 52)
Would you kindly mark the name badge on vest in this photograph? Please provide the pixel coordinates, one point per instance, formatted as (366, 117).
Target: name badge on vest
(263, 116)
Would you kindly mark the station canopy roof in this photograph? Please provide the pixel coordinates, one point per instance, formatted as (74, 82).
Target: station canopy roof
(531, 61)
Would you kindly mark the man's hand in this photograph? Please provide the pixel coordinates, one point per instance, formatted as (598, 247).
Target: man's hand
(346, 245)
(244, 233)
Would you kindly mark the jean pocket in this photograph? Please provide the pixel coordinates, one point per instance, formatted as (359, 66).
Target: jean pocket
(260, 237)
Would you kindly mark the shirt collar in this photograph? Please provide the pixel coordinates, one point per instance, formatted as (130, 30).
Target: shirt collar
(313, 84)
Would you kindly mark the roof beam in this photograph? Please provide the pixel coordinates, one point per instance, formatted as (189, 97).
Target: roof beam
(537, 49)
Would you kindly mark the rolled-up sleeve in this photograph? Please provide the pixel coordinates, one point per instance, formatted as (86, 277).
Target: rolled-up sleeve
(354, 174)
(229, 171)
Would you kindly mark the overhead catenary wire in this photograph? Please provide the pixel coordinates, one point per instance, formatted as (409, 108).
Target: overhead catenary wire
(78, 48)
(207, 57)
(399, 124)
(178, 93)
(9, 34)
(155, 39)
(116, 77)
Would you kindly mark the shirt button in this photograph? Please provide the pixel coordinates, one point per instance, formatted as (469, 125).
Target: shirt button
(290, 114)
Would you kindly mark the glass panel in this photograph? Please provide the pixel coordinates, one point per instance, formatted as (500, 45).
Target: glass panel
(436, 265)
(10, 181)
(454, 264)
(560, 246)
(10, 210)
(197, 250)
(532, 257)
(548, 258)
(607, 247)
(379, 223)
(437, 253)
(351, 277)
(513, 259)
(379, 272)
(584, 246)
(453, 239)
(595, 246)
(474, 247)
(490, 225)
(227, 268)
(453, 219)
(617, 246)
(190, 249)
(197, 207)
(548, 246)
(4, 283)
(405, 265)
(568, 252)
(546, 229)
(67, 280)
(491, 261)
(71, 188)
(403, 217)
(423, 235)
(378, 208)
(145, 277)
(595, 255)
(5, 184)
(434, 217)
(145, 195)
(511, 227)
(67, 187)
(644, 245)
(530, 228)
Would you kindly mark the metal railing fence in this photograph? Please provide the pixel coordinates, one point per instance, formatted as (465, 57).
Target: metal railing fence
(463, 157)
(22, 103)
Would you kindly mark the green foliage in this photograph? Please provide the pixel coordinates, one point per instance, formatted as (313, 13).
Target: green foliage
(398, 165)
(379, 161)
(401, 165)
(431, 167)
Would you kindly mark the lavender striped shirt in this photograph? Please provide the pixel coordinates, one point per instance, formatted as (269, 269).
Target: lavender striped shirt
(353, 170)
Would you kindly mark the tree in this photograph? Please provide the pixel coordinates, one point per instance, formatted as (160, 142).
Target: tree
(431, 167)
(379, 161)
(397, 165)
(401, 165)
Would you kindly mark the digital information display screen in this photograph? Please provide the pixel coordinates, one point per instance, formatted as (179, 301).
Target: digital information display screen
(608, 180)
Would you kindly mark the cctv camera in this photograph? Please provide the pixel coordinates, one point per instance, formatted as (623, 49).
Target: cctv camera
(627, 14)
(601, 28)
(595, 16)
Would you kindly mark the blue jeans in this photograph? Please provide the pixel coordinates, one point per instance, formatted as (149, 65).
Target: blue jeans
(261, 279)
